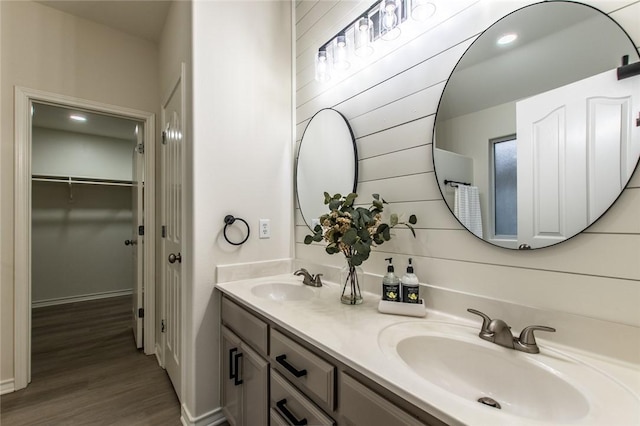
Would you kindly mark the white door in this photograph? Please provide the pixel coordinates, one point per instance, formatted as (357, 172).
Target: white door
(137, 241)
(577, 145)
(172, 250)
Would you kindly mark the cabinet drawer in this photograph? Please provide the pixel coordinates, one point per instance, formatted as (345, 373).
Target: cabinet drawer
(304, 369)
(250, 329)
(292, 405)
(360, 406)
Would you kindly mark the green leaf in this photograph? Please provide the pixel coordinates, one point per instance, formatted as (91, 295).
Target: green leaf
(413, 219)
(363, 233)
(381, 228)
(308, 239)
(378, 205)
(327, 198)
(317, 228)
(376, 196)
(393, 220)
(348, 201)
(334, 204)
(386, 234)
(332, 249)
(317, 238)
(362, 248)
(337, 196)
(377, 239)
(350, 237)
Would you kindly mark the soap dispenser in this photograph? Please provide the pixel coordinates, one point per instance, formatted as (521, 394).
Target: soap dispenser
(410, 286)
(390, 284)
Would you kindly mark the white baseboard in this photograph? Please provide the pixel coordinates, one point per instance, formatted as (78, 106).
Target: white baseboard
(212, 418)
(81, 298)
(7, 386)
(159, 355)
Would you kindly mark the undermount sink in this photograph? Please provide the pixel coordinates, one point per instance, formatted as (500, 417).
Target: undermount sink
(550, 386)
(282, 291)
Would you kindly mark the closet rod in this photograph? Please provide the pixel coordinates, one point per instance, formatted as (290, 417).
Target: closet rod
(72, 180)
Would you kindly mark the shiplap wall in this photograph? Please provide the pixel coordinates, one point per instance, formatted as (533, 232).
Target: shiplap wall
(391, 106)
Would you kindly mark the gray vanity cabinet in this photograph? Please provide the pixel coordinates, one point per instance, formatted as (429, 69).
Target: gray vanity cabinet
(245, 371)
(271, 377)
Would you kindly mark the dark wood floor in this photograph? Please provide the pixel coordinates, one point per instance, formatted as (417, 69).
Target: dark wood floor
(86, 370)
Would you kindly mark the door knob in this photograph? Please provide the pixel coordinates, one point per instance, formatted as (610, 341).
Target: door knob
(174, 257)
(130, 242)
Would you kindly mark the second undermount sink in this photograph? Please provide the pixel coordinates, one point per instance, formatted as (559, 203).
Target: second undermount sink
(549, 387)
(282, 291)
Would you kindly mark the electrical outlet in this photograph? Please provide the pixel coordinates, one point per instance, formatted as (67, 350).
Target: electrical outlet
(265, 228)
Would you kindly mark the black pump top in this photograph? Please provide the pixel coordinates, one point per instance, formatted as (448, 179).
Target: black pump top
(410, 267)
(390, 267)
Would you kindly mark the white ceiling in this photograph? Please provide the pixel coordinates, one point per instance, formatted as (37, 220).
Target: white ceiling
(57, 118)
(140, 18)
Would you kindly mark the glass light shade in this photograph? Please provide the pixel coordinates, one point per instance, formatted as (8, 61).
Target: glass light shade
(323, 66)
(340, 53)
(363, 36)
(389, 20)
(421, 10)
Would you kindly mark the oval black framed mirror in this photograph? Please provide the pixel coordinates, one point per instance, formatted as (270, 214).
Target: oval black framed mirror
(327, 161)
(535, 136)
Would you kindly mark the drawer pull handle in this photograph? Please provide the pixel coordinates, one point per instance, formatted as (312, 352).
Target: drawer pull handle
(283, 408)
(282, 359)
(236, 362)
(232, 373)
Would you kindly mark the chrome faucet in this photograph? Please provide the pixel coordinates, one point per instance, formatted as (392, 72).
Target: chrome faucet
(309, 279)
(498, 332)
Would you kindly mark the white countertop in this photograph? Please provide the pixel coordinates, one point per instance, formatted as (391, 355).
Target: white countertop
(350, 334)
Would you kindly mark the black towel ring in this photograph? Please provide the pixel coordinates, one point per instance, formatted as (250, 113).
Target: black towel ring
(229, 220)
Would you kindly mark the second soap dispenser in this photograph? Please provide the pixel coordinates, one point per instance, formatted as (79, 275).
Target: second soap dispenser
(410, 286)
(390, 284)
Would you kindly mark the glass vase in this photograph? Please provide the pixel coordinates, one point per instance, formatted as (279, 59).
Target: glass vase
(351, 276)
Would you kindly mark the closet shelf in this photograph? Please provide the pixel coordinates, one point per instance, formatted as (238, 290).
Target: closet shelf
(80, 180)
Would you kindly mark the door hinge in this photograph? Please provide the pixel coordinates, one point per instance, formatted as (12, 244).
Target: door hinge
(162, 326)
(140, 312)
(141, 230)
(164, 231)
(140, 148)
(164, 137)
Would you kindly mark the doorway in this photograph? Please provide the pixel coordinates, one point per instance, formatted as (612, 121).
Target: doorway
(26, 102)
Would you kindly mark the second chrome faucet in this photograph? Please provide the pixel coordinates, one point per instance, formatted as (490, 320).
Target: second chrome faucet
(498, 332)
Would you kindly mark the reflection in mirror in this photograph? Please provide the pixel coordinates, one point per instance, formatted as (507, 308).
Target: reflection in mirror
(327, 161)
(540, 128)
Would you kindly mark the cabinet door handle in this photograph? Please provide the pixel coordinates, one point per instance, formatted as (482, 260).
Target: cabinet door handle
(282, 406)
(282, 359)
(232, 372)
(236, 366)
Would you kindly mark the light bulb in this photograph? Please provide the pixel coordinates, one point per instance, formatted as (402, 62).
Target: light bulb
(507, 39)
(323, 72)
(390, 20)
(340, 53)
(363, 35)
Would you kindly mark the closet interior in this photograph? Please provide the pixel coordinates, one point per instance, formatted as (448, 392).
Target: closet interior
(82, 204)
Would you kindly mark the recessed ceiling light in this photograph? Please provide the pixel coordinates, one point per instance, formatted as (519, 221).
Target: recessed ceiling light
(77, 117)
(507, 38)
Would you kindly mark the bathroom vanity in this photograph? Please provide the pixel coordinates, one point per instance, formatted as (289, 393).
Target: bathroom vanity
(293, 354)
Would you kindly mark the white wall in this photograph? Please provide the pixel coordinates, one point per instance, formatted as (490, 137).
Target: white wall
(390, 105)
(241, 162)
(61, 153)
(469, 135)
(52, 51)
(78, 245)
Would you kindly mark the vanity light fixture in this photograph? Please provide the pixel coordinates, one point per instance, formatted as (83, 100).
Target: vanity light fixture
(381, 21)
(506, 39)
(77, 117)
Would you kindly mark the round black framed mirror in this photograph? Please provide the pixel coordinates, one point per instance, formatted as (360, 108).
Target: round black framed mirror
(327, 161)
(535, 135)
